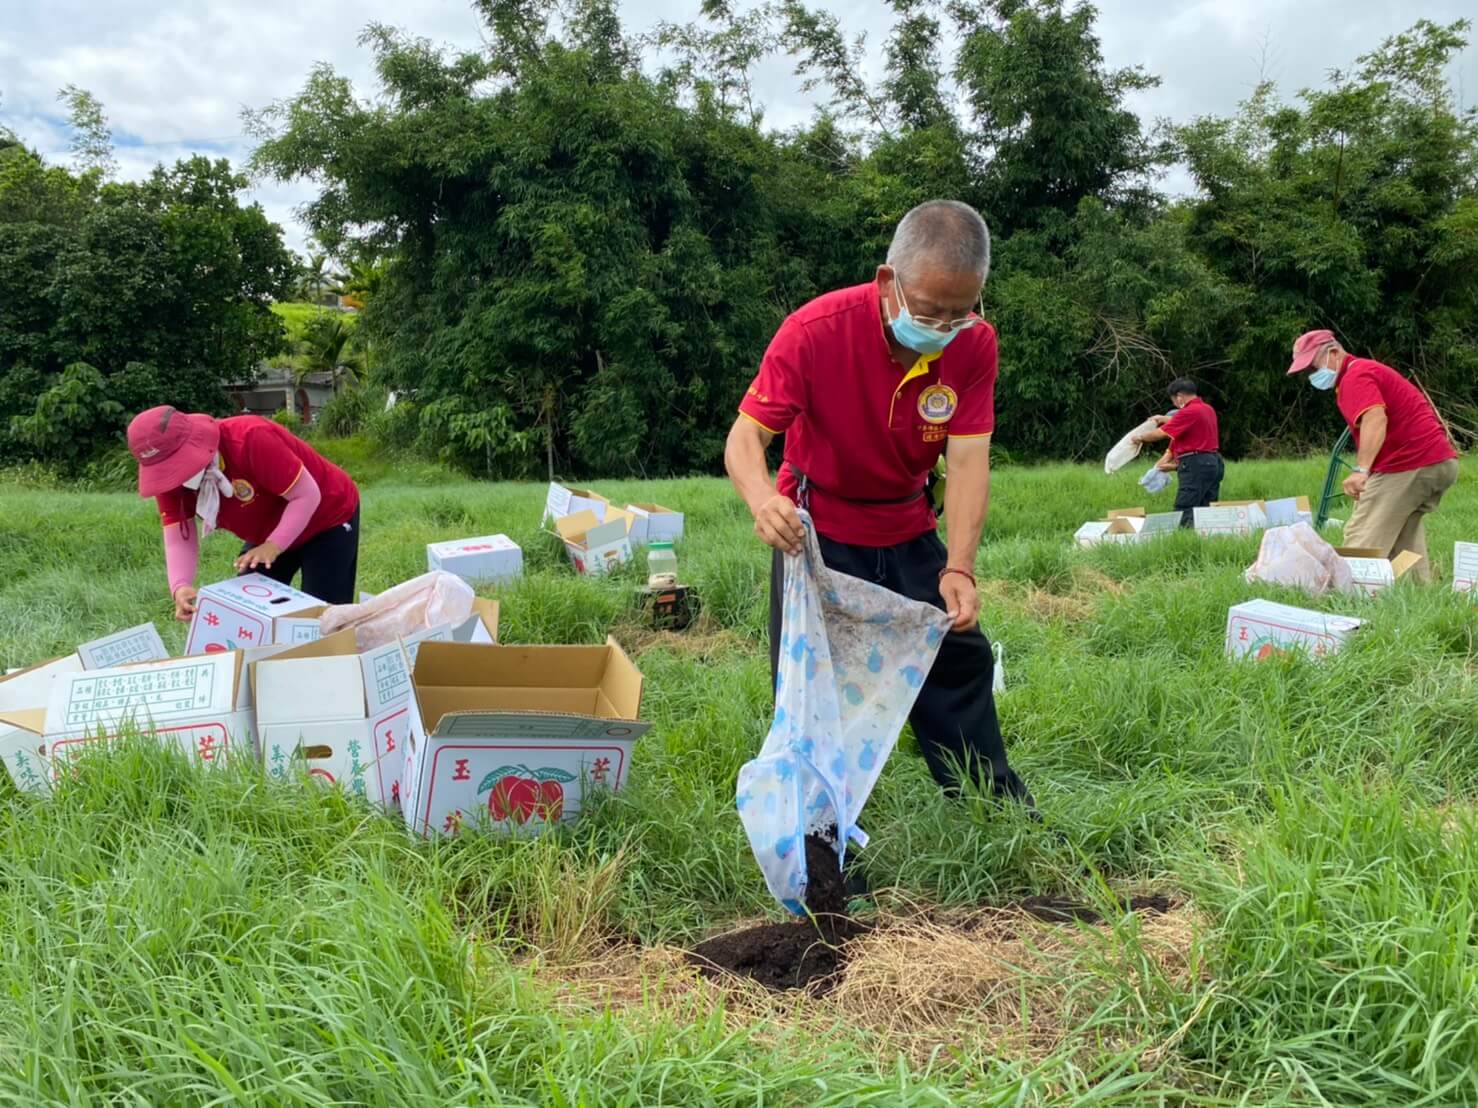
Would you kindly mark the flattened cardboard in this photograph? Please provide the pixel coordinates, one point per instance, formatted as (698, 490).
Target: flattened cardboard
(1261, 629)
(137, 644)
(491, 558)
(654, 523)
(516, 735)
(1465, 568)
(248, 611)
(561, 501)
(1373, 571)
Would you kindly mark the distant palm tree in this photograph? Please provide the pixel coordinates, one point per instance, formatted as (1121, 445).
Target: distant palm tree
(327, 346)
(316, 278)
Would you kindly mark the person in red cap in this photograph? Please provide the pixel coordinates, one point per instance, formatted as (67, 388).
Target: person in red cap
(1406, 461)
(294, 509)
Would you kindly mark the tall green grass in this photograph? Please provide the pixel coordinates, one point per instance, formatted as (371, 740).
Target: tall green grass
(169, 936)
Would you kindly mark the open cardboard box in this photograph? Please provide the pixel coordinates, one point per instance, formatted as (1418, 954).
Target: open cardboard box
(490, 558)
(334, 713)
(1244, 517)
(594, 547)
(1127, 525)
(1260, 629)
(251, 610)
(200, 703)
(655, 523)
(1373, 571)
(516, 735)
(1465, 568)
(561, 501)
(23, 749)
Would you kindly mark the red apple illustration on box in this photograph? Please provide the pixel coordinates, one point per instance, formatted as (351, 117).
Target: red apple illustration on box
(519, 794)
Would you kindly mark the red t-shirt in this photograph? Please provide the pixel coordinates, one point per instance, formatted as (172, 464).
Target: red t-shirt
(1414, 435)
(263, 460)
(861, 426)
(1193, 429)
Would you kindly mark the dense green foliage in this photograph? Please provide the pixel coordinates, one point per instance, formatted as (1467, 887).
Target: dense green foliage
(118, 296)
(187, 937)
(585, 258)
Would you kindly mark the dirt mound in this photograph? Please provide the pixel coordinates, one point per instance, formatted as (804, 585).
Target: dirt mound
(813, 954)
(806, 954)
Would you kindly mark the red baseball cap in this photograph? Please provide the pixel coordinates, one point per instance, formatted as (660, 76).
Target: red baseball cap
(1306, 348)
(171, 446)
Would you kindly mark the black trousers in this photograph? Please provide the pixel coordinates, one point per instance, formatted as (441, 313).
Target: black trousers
(954, 717)
(329, 562)
(1199, 478)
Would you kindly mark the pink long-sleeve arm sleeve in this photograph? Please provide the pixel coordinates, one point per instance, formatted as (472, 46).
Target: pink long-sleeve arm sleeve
(302, 501)
(181, 554)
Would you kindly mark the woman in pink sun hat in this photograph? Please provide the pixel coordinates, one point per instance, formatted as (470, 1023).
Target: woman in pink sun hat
(1406, 460)
(293, 508)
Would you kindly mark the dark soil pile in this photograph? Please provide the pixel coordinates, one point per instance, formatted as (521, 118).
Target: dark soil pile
(805, 954)
(1056, 910)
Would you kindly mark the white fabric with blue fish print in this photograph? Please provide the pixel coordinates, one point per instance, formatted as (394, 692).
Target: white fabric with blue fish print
(853, 656)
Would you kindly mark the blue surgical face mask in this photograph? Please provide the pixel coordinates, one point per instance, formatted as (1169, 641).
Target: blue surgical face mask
(921, 340)
(1323, 378)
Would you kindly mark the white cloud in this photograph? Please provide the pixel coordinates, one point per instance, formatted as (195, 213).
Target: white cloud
(173, 75)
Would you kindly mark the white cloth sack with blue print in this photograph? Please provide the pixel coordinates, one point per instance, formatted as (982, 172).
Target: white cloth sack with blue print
(853, 656)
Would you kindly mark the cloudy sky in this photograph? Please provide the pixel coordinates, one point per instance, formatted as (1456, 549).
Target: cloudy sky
(173, 75)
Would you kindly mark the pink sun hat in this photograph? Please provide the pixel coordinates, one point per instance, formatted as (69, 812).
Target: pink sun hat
(1306, 348)
(171, 447)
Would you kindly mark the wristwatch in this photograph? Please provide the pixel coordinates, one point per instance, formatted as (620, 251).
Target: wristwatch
(1360, 469)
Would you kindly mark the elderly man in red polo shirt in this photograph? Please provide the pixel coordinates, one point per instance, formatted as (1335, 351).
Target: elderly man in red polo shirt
(1195, 448)
(1405, 461)
(870, 386)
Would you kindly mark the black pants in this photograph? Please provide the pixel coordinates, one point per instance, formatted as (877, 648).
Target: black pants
(1200, 483)
(954, 717)
(329, 561)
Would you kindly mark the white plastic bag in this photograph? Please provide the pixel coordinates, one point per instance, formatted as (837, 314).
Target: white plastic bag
(853, 657)
(1155, 480)
(1295, 555)
(415, 605)
(1126, 449)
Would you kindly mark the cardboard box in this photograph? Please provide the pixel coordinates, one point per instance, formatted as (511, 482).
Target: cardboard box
(23, 750)
(516, 736)
(199, 703)
(339, 715)
(251, 610)
(1373, 571)
(1260, 629)
(1465, 568)
(490, 558)
(655, 523)
(594, 547)
(561, 501)
(1227, 520)
(1127, 525)
(1288, 511)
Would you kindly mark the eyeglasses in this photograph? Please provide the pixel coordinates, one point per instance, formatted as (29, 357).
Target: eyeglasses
(948, 326)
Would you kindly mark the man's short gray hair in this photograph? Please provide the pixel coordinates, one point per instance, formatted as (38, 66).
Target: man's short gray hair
(942, 233)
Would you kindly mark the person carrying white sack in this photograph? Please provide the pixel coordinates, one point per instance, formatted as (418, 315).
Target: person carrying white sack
(1194, 453)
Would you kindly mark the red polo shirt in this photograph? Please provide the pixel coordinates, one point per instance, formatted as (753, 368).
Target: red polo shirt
(860, 426)
(1193, 430)
(263, 460)
(1414, 435)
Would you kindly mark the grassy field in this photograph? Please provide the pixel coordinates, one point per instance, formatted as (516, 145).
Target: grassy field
(169, 936)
